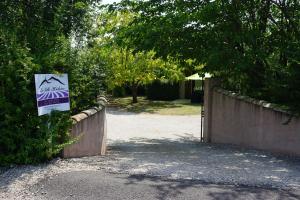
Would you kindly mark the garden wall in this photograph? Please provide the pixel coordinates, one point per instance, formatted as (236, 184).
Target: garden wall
(234, 119)
(90, 127)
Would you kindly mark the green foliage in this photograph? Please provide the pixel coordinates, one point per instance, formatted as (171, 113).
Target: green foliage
(37, 37)
(24, 137)
(252, 45)
(137, 69)
(161, 90)
(132, 68)
(119, 91)
(87, 79)
(127, 66)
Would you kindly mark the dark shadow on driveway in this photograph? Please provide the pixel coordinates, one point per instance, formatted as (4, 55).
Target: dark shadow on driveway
(171, 188)
(99, 185)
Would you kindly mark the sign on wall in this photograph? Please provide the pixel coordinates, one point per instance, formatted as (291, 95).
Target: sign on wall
(52, 92)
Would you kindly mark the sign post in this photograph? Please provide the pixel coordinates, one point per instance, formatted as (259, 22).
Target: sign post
(52, 93)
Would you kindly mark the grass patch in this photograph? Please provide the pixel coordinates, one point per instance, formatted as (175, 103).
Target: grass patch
(177, 107)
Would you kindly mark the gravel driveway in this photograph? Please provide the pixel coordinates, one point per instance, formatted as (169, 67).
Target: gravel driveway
(161, 146)
(169, 146)
(124, 126)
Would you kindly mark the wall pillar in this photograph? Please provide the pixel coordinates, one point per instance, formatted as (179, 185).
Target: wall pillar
(209, 84)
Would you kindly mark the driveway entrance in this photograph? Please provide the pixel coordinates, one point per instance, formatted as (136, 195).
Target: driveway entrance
(168, 146)
(126, 126)
(157, 157)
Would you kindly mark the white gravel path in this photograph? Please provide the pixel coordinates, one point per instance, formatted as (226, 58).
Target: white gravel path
(166, 146)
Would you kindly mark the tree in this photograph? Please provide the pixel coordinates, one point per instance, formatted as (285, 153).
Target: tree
(137, 69)
(252, 45)
(127, 66)
(38, 37)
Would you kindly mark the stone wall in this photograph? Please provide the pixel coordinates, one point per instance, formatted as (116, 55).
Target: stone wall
(234, 119)
(90, 128)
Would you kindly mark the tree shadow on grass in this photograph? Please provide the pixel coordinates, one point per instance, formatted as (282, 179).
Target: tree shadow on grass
(152, 107)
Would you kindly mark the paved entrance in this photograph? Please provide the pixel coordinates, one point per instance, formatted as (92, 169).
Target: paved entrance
(168, 146)
(91, 185)
(125, 126)
(158, 157)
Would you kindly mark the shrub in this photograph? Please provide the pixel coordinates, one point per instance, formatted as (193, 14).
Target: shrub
(35, 37)
(24, 136)
(162, 91)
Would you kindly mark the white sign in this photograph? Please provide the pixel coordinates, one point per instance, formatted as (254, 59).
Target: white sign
(52, 92)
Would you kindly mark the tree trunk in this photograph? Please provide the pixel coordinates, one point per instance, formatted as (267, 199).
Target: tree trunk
(134, 93)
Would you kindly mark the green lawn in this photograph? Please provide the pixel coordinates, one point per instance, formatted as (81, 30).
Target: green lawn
(177, 107)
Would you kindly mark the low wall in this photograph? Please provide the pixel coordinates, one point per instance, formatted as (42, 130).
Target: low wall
(244, 121)
(90, 127)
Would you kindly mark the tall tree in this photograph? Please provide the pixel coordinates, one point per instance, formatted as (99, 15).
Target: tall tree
(127, 66)
(253, 45)
(137, 69)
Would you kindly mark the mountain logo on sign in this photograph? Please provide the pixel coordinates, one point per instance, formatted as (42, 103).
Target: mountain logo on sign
(49, 80)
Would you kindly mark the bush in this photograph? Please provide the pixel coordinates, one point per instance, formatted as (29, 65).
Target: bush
(87, 76)
(24, 136)
(162, 91)
(28, 48)
(119, 91)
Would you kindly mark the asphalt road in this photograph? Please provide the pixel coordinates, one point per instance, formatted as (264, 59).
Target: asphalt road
(91, 185)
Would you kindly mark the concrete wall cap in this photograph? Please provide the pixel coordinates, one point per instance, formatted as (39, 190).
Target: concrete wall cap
(79, 117)
(90, 112)
(86, 113)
